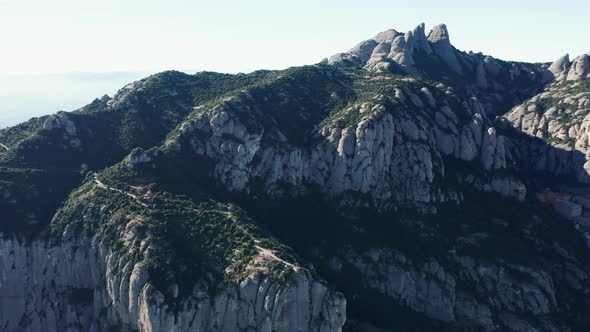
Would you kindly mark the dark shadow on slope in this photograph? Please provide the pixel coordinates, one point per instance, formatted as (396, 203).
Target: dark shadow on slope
(498, 93)
(541, 164)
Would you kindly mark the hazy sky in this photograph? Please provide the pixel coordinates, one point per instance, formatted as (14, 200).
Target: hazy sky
(23, 96)
(41, 36)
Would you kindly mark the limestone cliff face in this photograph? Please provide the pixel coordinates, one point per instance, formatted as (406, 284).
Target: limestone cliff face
(496, 296)
(394, 157)
(82, 286)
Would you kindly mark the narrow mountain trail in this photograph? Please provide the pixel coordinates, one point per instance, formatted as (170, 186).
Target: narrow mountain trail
(102, 185)
(264, 254)
(267, 254)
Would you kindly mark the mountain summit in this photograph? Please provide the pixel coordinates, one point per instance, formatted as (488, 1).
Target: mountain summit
(433, 57)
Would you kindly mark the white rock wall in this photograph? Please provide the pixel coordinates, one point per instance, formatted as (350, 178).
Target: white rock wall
(39, 283)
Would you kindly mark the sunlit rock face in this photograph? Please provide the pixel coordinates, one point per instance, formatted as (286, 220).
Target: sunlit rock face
(85, 287)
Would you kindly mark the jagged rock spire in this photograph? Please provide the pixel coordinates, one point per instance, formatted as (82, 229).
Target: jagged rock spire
(441, 45)
(400, 54)
(419, 41)
(393, 50)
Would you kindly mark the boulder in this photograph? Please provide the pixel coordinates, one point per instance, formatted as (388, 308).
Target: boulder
(580, 68)
(560, 67)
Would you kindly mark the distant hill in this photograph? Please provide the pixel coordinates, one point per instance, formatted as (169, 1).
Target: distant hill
(26, 96)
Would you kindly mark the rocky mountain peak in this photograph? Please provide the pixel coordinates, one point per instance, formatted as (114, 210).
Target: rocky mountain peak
(417, 39)
(560, 66)
(441, 44)
(564, 69)
(432, 56)
(386, 36)
(389, 46)
(439, 34)
(580, 68)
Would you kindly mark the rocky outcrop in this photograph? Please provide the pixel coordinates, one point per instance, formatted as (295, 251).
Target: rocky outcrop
(388, 46)
(60, 123)
(417, 41)
(77, 286)
(558, 118)
(441, 46)
(496, 83)
(426, 288)
(562, 69)
(385, 151)
(137, 156)
(401, 55)
(580, 68)
(500, 293)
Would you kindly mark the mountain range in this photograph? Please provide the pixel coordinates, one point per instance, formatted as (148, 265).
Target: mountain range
(403, 185)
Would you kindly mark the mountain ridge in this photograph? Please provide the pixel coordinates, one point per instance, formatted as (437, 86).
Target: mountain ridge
(300, 198)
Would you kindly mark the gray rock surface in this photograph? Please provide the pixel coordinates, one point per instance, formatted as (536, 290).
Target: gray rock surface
(496, 83)
(559, 118)
(392, 158)
(400, 54)
(61, 122)
(560, 67)
(441, 46)
(417, 40)
(440, 294)
(580, 68)
(81, 287)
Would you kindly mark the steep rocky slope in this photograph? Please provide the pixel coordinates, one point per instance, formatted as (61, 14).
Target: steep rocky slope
(115, 263)
(392, 133)
(377, 189)
(555, 123)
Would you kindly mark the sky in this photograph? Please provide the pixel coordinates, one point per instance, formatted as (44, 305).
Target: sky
(40, 36)
(61, 54)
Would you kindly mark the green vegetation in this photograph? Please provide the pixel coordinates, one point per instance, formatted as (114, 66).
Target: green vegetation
(573, 87)
(295, 102)
(547, 103)
(171, 216)
(13, 135)
(563, 98)
(189, 240)
(141, 116)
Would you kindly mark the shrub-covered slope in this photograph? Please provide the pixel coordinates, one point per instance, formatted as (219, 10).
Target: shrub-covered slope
(44, 158)
(553, 130)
